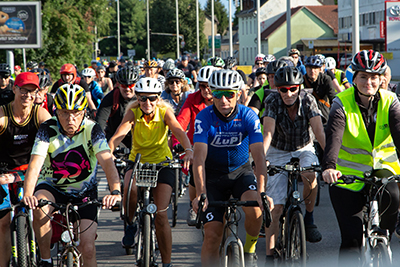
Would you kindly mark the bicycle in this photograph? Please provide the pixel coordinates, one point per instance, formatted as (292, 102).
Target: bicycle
(291, 243)
(23, 244)
(376, 241)
(231, 248)
(68, 254)
(146, 176)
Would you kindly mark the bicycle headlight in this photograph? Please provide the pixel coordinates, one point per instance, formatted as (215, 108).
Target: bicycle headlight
(66, 237)
(296, 194)
(151, 208)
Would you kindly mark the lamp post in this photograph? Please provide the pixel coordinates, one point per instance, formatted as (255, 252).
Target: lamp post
(258, 28)
(177, 28)
(197, 30)
(288, 26)
(212, 29)
(148, 31)
(230, 29)
(118, 30)
(356, 27)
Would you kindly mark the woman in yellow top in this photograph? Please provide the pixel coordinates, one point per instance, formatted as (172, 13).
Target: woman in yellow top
(149, 119)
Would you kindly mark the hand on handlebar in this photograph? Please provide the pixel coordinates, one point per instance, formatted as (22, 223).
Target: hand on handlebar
(110, 200)
(195, 204)
(331, 176)
(31, 201)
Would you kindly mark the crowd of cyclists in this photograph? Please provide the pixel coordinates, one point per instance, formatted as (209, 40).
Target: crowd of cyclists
(222, 120)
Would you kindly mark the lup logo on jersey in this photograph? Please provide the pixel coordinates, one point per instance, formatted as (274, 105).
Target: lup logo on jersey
(227, 139)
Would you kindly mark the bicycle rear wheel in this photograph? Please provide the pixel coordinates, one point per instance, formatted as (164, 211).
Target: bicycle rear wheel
(233, 255)
(22, 240)
(380, 255)
(296, 251)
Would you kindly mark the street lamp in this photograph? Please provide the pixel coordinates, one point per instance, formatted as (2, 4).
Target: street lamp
(118, 30)
(148, 31)
(177, 29)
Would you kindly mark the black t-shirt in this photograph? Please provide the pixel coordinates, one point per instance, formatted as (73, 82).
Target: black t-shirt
(7, 94)
(187, 70)
(330, 74)
(60, 82)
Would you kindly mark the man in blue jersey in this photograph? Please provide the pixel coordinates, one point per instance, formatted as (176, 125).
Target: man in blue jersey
(224, 134)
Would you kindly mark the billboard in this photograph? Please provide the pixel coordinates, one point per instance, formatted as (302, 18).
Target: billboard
(20, 25)
(392, 36)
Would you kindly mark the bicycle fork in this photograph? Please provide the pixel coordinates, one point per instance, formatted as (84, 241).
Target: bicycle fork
(231, 237)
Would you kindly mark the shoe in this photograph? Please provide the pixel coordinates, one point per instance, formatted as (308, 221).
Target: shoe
(130, 233)
(250, 259)
(191, 217)
(312, 233)
(45, 264)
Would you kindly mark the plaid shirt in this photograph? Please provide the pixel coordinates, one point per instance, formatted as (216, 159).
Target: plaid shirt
(291, 135)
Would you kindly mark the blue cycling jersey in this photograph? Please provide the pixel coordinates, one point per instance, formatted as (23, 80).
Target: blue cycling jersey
(228, 140)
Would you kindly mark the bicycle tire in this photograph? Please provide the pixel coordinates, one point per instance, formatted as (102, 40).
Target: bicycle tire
(296, 250)
(22, 240)
(233, 255)
(174, 198)
(70, 259)
(139, 245)
(319, 184)
(380, 255)
(146, 240)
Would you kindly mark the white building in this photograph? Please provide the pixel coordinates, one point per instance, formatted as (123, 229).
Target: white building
(271, 10)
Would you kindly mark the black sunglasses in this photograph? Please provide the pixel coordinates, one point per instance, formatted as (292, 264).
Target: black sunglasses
(143, 98)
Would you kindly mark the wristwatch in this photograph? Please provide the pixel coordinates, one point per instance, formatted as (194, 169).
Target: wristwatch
(116, 192)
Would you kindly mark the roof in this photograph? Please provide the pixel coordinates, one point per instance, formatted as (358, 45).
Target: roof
(250, 10)
(328, 14)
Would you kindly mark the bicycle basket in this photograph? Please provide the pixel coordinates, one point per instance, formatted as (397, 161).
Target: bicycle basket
(146, 177)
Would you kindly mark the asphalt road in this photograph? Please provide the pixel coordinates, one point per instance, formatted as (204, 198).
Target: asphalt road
(187, 240)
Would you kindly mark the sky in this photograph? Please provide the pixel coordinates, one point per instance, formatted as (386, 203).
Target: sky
(202, 4)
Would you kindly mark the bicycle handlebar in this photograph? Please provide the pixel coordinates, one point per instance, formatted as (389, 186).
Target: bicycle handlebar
(272, 169)
(62, 206)
(349, 179)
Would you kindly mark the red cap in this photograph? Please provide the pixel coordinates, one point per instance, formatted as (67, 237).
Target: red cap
(27, 78)
(17, 67)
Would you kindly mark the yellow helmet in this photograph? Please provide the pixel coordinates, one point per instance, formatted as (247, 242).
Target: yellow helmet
(151, 64)
(71, 97)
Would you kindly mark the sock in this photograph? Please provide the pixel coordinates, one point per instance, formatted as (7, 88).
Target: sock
(309, 218)
(47, 260)
(250, 245)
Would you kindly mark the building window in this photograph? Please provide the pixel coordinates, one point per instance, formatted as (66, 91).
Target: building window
(251, 53)
(247, 54)
(372, 18)
(250, 27)
(262, 49)
(242, 27)
(247, 28)
(243, 54)
(255, 26)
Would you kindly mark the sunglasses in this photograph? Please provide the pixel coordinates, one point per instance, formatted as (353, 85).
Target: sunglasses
(4, 76)
(285, 89)
(218, 94)
(143, 98)
(171, 82)
(131, 86)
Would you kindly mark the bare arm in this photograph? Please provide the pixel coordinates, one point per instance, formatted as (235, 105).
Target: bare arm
(336, 85)
(269, 130)
(318, 129)
(123, 129)
(110, 84)
(43, 115)
(199, 173)
(31, 177)
(90, 101)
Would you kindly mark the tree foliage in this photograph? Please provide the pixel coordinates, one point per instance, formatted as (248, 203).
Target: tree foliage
(220, 13)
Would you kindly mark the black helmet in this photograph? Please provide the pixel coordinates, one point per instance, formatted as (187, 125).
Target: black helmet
(31, 65)
(44, 77)
(313, 61)
(261, 70)
(369, 61)
(230, 62)
(288, 76)
(5, 68)
(175, 73)
(127, 75)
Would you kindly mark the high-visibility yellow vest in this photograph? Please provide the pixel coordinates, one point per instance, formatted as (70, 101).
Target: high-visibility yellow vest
(357, 154)
(338, 77)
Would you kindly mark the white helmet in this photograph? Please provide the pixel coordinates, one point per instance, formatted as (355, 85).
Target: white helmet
(148, 85)
(205, 73)
(89, 72)
(330, 63)
(225, 79)
(269, 58)
(322, 57)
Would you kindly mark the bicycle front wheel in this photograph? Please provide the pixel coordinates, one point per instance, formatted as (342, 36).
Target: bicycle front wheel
(70, 259)
(380, 255)
(296, 252)
(22, 240)
(233, 255)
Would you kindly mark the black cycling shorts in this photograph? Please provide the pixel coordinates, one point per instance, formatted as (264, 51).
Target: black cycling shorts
(220, 188)
(88, 212)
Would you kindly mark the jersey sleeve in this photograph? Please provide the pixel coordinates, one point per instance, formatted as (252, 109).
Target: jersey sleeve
(201, 127)
(99, 140)
(253, 127)
(42, 141)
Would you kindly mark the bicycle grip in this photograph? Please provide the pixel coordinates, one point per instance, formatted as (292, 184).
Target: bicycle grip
(116, 207)
(200, 210)
(267, 210)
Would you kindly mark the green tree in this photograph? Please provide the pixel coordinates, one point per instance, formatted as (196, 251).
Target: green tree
(220, 13)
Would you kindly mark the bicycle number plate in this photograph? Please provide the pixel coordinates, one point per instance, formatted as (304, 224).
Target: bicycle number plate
(146, 178)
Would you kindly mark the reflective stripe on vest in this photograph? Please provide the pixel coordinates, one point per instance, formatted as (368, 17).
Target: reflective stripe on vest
(356, 154)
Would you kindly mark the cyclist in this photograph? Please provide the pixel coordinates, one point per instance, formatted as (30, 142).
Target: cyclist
(64, 157)
(195, 103)
(42, 66)
(322, 85)
(31, 65)
(112, 108)
(6, 84)
(217, 62)
(224, 134)
(339, 74)
(19, 123)
(387, 84)
(290, 115)
(149, 118)
(354, 150)
(69, 76)
(17, 71)
(232, 64)
(176, 90)
(258, 63)
(330, 73)
(151, 70)
(43, 98)
(268, 59)
(104, 82)
(188, 69)
(111, 71)
(88, 76)
(169, 65)
(295, 54)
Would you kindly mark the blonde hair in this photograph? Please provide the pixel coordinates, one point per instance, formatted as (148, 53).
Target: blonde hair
(185, 86)
(160, 104)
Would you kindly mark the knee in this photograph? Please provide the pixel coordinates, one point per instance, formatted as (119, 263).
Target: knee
(88, 249)
(161, 219)
(212, 239)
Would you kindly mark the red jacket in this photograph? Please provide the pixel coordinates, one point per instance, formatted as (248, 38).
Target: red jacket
(192, 106)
